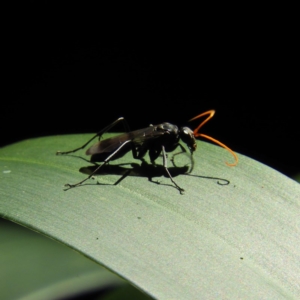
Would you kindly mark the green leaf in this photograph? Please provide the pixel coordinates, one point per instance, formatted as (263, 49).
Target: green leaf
(218, 240)
(36, 267)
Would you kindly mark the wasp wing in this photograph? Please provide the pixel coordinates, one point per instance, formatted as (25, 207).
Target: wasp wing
(137, 137)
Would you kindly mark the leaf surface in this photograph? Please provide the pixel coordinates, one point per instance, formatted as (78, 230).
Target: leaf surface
(218, 240)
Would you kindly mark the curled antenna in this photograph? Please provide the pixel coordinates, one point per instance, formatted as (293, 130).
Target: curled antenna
(210, 114)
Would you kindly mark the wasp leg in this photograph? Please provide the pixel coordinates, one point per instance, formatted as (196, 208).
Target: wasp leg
(181, 190)
(100, 133)
(106, 161)
(183, 150)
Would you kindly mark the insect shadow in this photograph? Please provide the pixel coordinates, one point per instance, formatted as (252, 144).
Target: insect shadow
(144, 169)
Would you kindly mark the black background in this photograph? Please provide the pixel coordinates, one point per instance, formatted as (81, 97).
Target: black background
(69, 75)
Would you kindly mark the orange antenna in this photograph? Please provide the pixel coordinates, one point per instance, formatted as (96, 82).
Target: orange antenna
(210, 114)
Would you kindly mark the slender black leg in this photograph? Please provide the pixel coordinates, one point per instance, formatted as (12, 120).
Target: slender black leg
(100, 133)
(103, 164)
(183, 150)
(181, 190)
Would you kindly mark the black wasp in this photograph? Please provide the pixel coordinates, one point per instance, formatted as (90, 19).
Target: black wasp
(155, 139)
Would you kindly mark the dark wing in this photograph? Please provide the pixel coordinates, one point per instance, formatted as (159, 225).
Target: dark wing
(137, 137)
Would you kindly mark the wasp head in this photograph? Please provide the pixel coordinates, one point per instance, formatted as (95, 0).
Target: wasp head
(187, 136)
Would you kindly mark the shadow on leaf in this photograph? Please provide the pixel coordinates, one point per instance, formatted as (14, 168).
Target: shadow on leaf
(145, 170)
